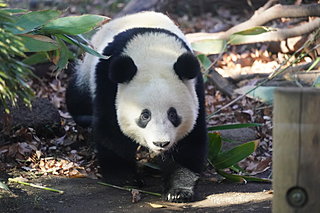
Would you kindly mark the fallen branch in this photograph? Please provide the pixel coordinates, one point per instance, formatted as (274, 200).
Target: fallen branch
(221, 83)
(282, 34)
(35, 186)
(298, 68)
(260, 18)
(135, 6)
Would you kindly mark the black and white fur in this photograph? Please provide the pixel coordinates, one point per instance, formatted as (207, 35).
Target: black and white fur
(148, 92)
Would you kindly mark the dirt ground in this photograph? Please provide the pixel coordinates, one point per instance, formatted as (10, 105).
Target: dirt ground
(86, 195)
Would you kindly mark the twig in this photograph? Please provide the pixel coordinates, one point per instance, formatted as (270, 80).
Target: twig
(35, 186)
(129, 189)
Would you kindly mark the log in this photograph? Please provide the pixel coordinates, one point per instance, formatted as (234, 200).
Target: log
(296, 148)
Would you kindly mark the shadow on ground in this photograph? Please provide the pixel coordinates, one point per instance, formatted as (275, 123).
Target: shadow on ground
(85, 195)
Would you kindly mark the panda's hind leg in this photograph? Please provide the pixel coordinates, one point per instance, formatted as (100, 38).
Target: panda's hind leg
(79, 103)
(116, 169)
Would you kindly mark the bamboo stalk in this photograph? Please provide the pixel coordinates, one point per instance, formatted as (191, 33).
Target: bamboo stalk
(129, 189)
(35, 186)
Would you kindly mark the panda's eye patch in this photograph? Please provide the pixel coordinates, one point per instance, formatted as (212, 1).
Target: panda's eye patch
(173, 117)
(144, 118)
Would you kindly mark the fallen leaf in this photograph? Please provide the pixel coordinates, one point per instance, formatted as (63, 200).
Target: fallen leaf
(157, 206)
(136, 196)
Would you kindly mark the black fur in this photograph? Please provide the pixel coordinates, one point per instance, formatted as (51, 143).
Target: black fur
(79, 103)
(122, 69)
(187, 66)
(174, 117)
(121, 40)
(116, 152)
(144, 118)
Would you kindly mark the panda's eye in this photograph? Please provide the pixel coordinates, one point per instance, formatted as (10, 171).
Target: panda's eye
(145, 115)
(173, 117)
(144, 118)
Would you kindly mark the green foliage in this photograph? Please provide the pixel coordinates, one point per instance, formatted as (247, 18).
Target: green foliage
(45, 35)
(229, 158)
(262, 93)
(209, 46)
(205, 61)
(244, 36)
(31, 21)
(13, 73)
(33, 43)
(44, 32)
(315, 63)
(232, 126)
(214, 46)
(221, 160)
(73, 25)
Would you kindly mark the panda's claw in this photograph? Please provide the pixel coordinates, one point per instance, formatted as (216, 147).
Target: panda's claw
(179, 195)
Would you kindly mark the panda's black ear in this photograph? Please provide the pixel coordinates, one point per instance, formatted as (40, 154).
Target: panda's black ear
(122, 69)
(187, 66)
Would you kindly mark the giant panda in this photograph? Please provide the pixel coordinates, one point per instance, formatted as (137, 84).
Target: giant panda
(148, 92)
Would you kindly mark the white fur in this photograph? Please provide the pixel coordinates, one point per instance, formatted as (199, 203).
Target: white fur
(105, 35)
(155, 86)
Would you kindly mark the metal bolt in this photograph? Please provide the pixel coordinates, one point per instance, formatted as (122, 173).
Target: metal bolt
(297, 197)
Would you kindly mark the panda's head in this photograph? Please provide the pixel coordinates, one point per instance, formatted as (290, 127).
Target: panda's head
(157, 107)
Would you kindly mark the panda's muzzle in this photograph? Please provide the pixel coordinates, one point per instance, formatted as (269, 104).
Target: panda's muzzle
(161, 144)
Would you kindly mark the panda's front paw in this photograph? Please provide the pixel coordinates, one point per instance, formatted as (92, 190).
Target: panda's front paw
(179, 195)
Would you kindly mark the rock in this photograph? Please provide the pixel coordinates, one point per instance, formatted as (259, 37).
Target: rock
(239, 136)
(43, 117)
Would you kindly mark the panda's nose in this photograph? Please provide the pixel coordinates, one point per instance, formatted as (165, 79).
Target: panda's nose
(161, 144)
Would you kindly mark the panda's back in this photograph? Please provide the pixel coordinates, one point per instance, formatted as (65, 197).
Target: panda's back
(140, 20)
(106, 34)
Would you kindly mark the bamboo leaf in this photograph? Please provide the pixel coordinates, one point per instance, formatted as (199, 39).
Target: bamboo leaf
(4, 186)
(232, 126)
(209, 46)
(231, 177)
(255, 30)
(64, 53)
(315, 63)
(255, 179)
(215, 145)
(14, 10)
(37, 58)
(34, 45)
(246, 35)
(72, 40)
(241, 178)
(73, 25)
(33, 20)
(205, 61)
(233, 156)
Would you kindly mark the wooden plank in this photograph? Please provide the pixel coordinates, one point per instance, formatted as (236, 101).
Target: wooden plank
(285, 146)
(296, 150)
(309, 165)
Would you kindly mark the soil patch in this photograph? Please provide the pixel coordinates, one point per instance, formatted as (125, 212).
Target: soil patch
(86, 195)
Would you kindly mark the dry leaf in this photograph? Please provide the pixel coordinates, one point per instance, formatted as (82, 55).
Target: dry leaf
(136, 196)
(157, 206)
